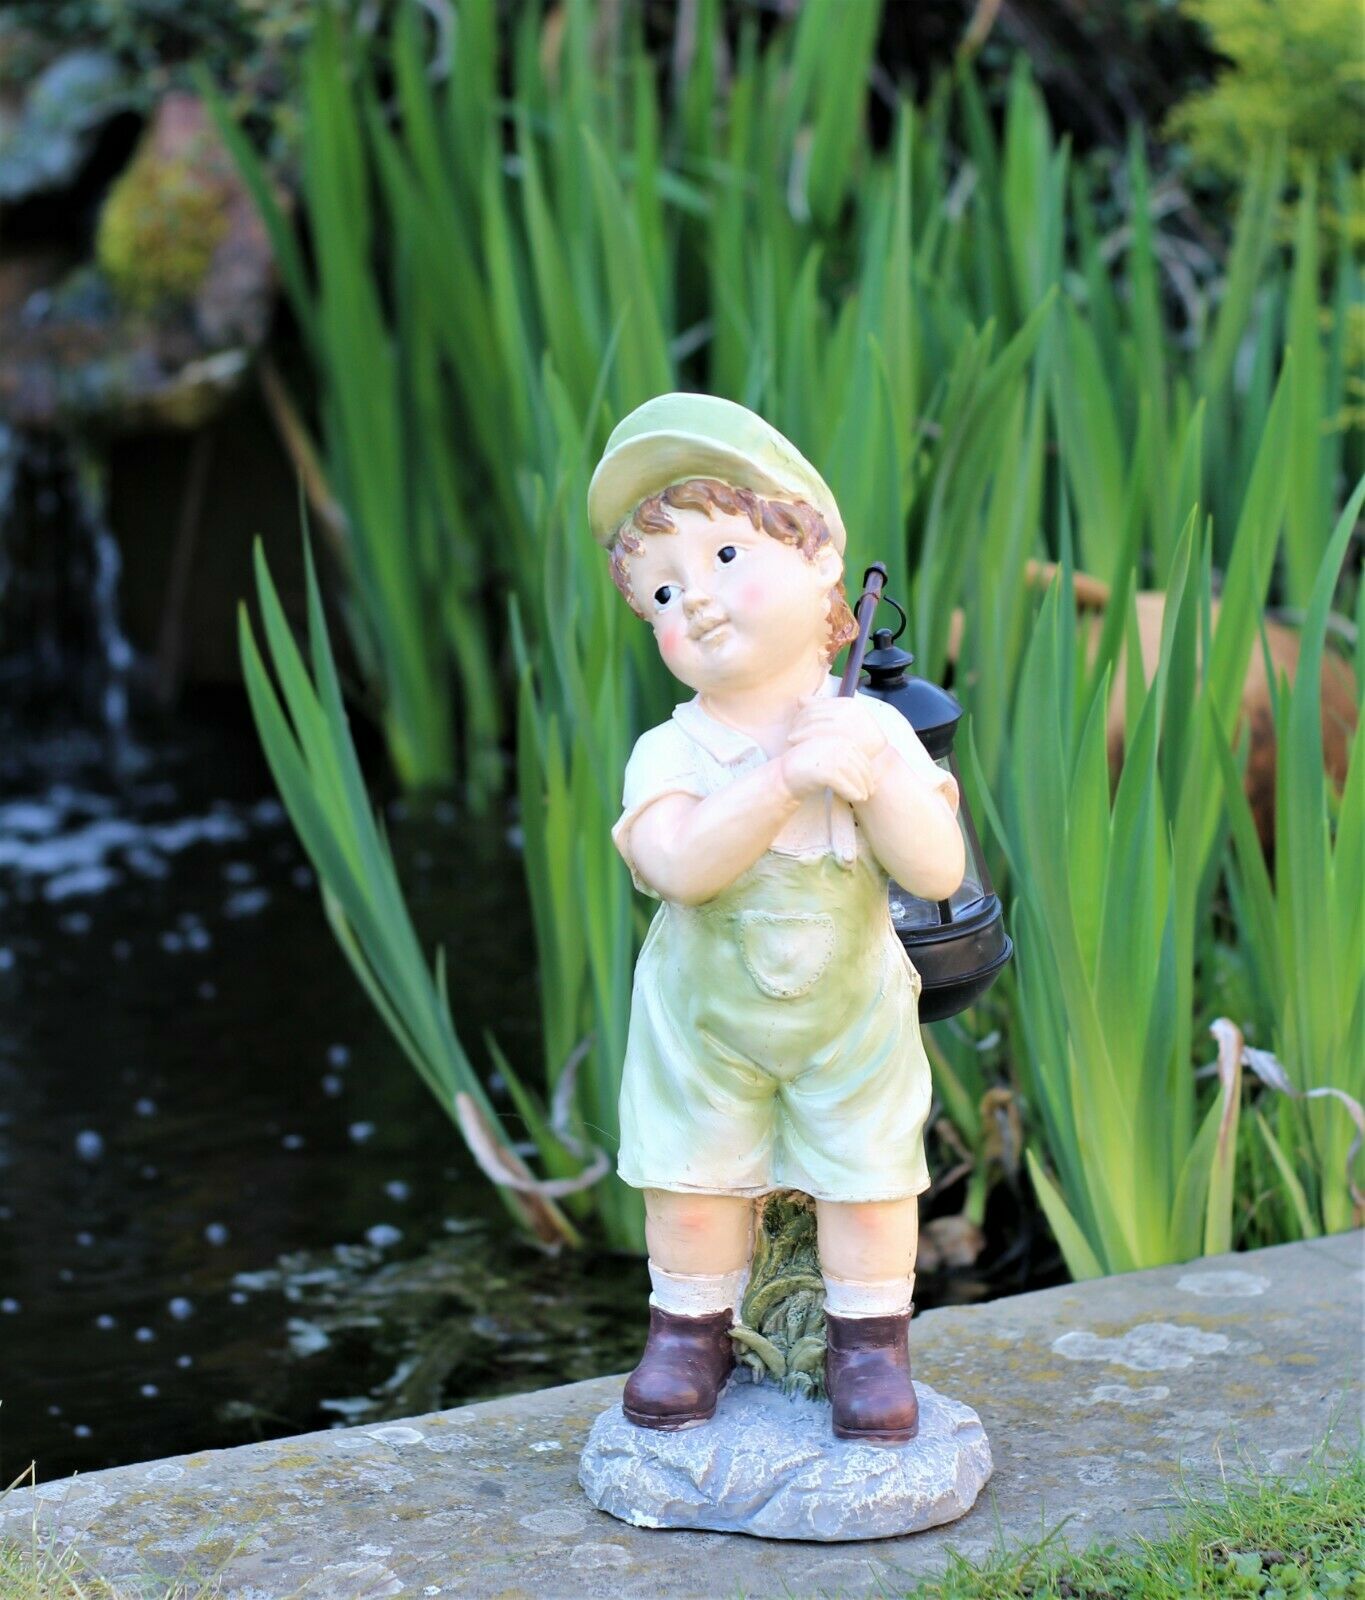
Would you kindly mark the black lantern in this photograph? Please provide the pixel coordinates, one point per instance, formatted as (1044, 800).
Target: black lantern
(958, 945)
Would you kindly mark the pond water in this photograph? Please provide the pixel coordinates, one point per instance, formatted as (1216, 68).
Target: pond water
(228, 1208)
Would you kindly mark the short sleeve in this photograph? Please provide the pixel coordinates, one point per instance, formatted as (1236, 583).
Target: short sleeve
(664, 761)
(908, 745)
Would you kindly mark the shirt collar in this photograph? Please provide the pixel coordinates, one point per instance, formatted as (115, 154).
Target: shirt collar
(724, 743)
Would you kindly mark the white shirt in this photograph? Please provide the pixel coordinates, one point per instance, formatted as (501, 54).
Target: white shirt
(694, 754)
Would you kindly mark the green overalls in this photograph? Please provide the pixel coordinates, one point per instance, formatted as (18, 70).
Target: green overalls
(774, 1040)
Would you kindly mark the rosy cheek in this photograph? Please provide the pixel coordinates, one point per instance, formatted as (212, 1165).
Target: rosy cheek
(670, 638)
(751, 596)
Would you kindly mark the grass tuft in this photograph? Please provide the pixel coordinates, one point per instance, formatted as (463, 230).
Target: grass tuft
(1274, 1537)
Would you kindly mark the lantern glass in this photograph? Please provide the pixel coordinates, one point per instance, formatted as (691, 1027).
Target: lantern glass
(909, 912)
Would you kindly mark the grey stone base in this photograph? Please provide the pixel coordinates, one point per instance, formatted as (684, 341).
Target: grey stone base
(771, 1466)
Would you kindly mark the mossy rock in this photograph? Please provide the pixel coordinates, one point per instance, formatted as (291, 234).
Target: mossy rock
(781, 1338)
(160, 226)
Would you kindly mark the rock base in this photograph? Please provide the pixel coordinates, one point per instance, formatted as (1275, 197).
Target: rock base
(770, 1466)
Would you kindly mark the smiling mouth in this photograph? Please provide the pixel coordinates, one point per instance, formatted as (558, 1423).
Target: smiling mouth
(709, 631)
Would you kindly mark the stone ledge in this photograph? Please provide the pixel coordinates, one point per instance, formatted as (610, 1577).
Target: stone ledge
(1098, 1398)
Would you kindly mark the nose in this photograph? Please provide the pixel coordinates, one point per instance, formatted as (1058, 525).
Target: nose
(696, 599)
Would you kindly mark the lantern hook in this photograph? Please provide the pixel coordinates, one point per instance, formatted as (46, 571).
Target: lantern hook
(900, 612)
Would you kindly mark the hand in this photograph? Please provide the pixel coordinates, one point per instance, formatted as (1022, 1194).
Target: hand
(824, 762)
(851, 720)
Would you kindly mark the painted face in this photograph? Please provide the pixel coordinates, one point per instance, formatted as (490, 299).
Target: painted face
(730, 605)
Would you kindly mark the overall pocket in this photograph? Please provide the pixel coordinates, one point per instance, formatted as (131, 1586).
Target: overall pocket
(786, 952)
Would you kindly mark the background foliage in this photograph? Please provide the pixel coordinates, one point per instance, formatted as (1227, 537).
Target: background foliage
(1000, 356)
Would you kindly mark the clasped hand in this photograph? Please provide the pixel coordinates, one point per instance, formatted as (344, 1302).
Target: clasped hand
(834, 744)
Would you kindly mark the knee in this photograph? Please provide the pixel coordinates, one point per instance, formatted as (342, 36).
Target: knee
(688, 1220)
(868, 1242)
(697, 1233)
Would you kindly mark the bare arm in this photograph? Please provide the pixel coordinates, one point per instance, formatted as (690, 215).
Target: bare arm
(688, 849)
(909, 823)
(912, 830)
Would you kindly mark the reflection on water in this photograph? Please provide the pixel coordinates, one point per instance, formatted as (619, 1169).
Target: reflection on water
(203, 1127)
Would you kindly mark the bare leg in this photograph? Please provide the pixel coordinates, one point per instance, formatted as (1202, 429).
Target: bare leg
(870, 1242)
(697, 1233)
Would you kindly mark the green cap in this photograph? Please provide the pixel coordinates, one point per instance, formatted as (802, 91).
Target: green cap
(677, 436)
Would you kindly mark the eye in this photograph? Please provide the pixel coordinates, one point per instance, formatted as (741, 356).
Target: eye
(726, 554)
(664, 594)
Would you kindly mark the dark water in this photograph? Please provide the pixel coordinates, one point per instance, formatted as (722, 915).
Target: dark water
(228, 1208)
(192, 1087)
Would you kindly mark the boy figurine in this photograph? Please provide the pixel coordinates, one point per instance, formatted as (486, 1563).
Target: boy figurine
(774, 1038)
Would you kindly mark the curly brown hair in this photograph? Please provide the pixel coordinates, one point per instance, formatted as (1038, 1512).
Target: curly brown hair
(794, 522)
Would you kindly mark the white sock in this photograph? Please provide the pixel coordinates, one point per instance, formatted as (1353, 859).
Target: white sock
(883, 1297)
(699, 1294)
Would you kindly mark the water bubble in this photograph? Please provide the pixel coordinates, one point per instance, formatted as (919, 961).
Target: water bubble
(9, 1306)
(239, 872)
(144, 1336)
(89, 1145)
(383, 1234)
(208, 991)
(331, 1085)
(180, 1308)
(396, 1189)
(361, 1131)
(121, 949)
(54, 1411)
(6, 1213)
(217, 1233)
(81, 1431)
(303, 877)
(198, 939)
(184, 1361)
(105, 1321)
(85, 1240)
(338, 1055)
(145, 1107)
(75, 922)
(6, 958)
(246, 902)
(293, 1141)
(237, 1298)
(172, 943)
(150, 1172)
(149, 1391)
(147, 863)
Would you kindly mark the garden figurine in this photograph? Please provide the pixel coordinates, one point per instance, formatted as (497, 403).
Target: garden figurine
(774, 1038)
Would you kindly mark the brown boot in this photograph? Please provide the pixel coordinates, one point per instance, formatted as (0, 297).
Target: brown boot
(685, 1364)
(867, 1373)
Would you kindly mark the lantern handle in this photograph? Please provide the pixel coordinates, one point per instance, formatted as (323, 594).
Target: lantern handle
(900, 612)
(873, 579)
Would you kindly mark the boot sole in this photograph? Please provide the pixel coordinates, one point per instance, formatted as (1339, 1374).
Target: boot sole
(877, 1435)
(667, 1424)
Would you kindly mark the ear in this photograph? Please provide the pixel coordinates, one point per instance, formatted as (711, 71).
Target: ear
(830, 564)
